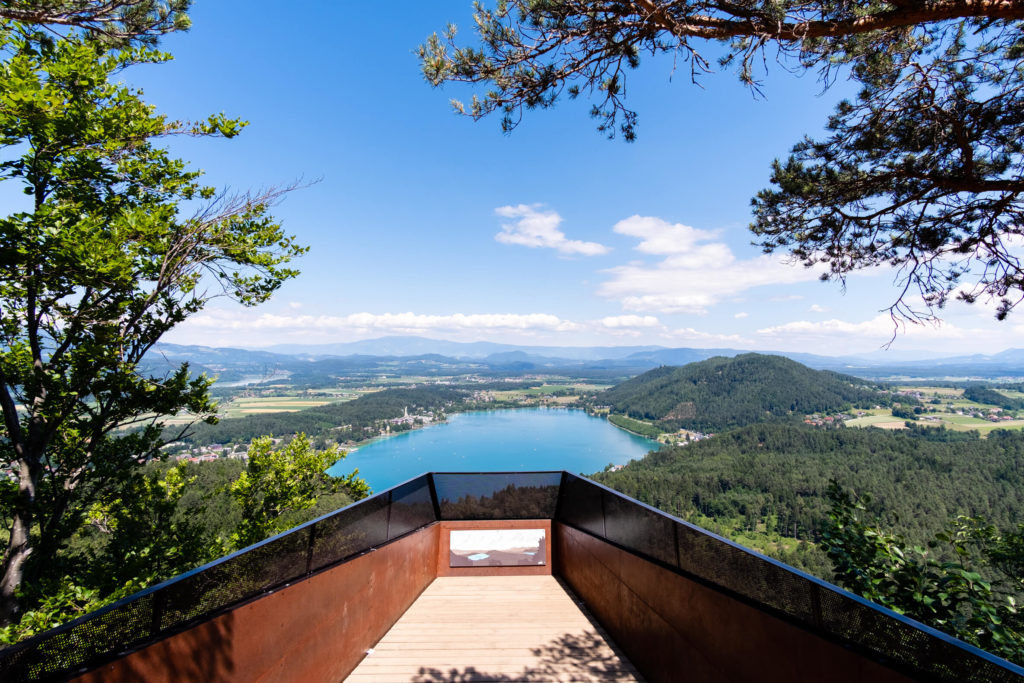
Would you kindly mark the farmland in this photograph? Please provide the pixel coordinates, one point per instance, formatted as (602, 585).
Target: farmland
(944, 406)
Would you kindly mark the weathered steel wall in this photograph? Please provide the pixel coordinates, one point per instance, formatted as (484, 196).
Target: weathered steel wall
(675, 629)
(317, 629)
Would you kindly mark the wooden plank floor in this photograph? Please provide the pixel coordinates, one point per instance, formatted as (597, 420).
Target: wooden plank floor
(495, 628)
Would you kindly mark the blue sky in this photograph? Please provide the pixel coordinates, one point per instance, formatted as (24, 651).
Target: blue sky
(424, 222)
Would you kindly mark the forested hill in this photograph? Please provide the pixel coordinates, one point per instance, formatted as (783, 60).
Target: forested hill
(721, 393)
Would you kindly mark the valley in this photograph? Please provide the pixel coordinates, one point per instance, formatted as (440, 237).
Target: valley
(749, 444)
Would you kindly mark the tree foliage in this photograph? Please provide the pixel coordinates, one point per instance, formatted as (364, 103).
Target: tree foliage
(165, 520)
(971, 592)
(116, 244)
(113, 21)
(288, 479)
(146, 539)
(530, 51)
(921, 172)
(983, 394)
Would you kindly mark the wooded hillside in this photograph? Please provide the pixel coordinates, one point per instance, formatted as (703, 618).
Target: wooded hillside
(774, 477)
(721, 393)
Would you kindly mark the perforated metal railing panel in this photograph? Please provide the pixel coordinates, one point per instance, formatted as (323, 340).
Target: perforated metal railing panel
(209, 590)
(577, 502)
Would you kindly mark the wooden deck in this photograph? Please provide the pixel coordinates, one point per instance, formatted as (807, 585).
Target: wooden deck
(501, 628)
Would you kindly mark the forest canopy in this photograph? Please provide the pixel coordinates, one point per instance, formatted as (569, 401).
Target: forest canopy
(777, 475)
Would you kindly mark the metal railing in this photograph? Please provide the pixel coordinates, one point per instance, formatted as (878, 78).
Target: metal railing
(202, 593)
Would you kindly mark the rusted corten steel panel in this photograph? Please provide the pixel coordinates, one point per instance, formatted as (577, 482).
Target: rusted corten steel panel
(673, 628)
(317, 629)
(443, 568)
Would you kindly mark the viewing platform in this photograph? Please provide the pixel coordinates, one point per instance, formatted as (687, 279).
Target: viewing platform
(516, 576)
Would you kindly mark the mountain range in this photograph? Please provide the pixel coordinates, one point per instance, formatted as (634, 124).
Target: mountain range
(431, 356)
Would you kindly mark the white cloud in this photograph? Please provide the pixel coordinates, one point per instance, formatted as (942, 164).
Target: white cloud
(621, 321)
(695, 273)
(875, 327)
(741, 315)
(835, 336)
(241, 327)
(663, 238)
(818, 308)
(405, 323)
(688, 336)
(534, 227)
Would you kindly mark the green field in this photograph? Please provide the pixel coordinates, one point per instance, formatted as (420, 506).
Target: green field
(547, 390)
(966, 423)
(933, 392)
(636, 426)
(242, 406)
(884, 419)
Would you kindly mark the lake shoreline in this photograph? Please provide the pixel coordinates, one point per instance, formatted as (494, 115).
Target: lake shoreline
(529, 438)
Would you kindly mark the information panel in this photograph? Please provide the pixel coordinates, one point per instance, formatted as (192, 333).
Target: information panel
(497, 548)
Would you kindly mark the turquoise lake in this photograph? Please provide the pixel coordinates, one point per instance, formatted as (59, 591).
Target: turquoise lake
(496, 441)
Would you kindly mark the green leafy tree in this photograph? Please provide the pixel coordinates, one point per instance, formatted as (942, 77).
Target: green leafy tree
(959, 595)
(905, 412)
(282, 481)
(147, 538)
(53, 603)
(921, 172)
(116, 244)
(139, 536)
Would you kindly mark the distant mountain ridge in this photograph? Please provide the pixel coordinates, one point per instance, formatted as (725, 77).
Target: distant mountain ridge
(408, 346)
(875, 362)
(722, 393)
(234, 364)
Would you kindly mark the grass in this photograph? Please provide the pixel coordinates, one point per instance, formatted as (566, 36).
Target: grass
(940, 392)
(883, 419)
(240, 407)
(636, 426)
(548, 389)
(966, 423)
(544, 389)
